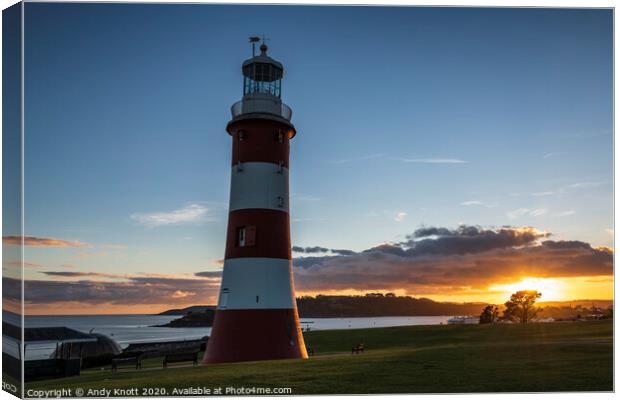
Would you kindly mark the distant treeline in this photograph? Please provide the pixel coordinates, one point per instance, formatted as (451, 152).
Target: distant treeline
(380, 305)
(386, 305)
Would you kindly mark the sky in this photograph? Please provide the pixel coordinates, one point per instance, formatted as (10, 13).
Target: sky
(491, 126)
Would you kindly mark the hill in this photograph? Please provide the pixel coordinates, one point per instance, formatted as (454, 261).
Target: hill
(187, 310)
(321, 306)
(380, 305)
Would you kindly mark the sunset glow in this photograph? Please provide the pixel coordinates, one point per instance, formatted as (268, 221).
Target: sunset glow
(551, 289)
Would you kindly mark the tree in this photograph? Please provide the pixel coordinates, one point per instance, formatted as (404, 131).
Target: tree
(521, 306)
(489, 315)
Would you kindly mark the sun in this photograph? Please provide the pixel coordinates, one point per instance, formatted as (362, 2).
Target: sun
(551, 289)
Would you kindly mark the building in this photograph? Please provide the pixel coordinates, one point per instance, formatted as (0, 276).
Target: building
(256, 316)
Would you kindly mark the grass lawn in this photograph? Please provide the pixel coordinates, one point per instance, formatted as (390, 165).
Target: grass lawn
(418, 359)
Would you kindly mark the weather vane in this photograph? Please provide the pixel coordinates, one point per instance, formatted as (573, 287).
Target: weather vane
(256, 39)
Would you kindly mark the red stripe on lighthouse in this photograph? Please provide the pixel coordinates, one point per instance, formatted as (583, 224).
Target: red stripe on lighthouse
(248, 335)
(260, 141)
(270, 229)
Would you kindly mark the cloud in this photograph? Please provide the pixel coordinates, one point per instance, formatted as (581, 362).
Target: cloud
(41, 242)
(538, 212)
(361, 158)
(18, 264)
(343, 252)
(546, 193)
(179, 294)
(517, 213)
(520, 212)
(400, 216)
(315, 249)
(134, 290)
(477, 203)
(442, 260)
(192, 213)
(76, 274)
(433, 160)
(570, 188)
(564, 213)
(319, 250)
(582, 185)
(472, 203)
(209, 274)
(218, 262)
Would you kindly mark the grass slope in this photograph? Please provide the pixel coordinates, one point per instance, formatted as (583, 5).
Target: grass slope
(418, 359)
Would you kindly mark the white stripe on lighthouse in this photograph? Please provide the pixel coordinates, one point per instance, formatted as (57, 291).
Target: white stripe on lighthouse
(259, 185)
(256, 283)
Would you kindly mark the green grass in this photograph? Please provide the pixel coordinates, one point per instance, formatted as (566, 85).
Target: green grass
(418, 359)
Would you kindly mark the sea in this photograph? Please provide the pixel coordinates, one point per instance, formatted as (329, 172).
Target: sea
(127, 329)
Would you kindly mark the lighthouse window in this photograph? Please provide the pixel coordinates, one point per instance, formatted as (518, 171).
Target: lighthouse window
(241, 136)
(262, 78)
(241, 237)
(246, 236)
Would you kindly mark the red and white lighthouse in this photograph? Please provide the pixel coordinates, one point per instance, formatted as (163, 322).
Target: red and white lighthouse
(256, 316)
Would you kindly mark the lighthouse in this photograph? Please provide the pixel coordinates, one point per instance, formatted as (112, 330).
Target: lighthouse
(256, 316)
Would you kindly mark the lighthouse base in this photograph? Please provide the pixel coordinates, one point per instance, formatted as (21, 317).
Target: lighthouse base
(253, 335)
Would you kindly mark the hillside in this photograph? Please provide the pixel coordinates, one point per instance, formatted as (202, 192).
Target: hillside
(371, 305)
(380, 305)
(187, 310)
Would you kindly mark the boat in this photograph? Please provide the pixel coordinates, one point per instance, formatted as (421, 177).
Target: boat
(463, 319)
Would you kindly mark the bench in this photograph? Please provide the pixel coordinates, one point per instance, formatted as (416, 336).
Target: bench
(134, 361)
(181, 357)
(358, 349)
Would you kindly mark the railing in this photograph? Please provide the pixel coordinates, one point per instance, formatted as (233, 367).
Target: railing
(261, 106)
(286, 111)
(237, 109)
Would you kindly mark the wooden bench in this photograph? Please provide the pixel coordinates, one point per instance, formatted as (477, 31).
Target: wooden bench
(181, 357)
(358, 349)
(134, 361)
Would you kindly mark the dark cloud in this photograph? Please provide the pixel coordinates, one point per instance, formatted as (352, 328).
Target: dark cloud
(209, 274)
(468, 239)
(76, 274)
(319, 249)
(310, 250)
(435, 259)
(134, 291)
(41, 242)
(343, 252)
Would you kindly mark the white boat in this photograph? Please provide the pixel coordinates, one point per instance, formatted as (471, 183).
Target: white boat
(463, 319)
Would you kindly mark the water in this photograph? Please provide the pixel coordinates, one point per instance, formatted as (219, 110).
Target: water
(127, 329)
(375, 322)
